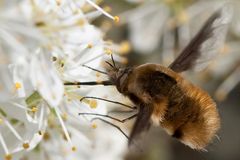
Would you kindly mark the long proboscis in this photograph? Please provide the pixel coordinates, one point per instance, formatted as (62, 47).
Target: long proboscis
(105, 83)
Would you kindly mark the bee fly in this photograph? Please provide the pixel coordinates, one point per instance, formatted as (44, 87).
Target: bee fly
(163, 97)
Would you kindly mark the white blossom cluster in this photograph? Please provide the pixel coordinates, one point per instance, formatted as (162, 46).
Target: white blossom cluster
(44, 43)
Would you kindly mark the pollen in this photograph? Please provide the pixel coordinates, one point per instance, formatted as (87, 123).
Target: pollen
(108, 51)
(81, 22)
(34, 109)
(89, 45)
(125, 47)
(98, 74)
(46, 136)
(74, 148)
(93, 104)
(116, 19)
(18, 85)
(64, 116)
(107, 8)
(8, 157)
(94, 125)
(26, 145)
(183, 17)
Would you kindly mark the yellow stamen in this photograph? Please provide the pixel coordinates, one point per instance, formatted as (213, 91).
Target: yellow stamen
(34, 109)
(108, 51)
(125, 47)
(89, 45)
(93, 104)
(26, 145)
(8, 157)
(81, 22)
(94, 125)
(18, 85)
(64, 116)
(46, 136)
(98, 74)
(74, 148)
(1, 121)
(183, 17)
(116, 19)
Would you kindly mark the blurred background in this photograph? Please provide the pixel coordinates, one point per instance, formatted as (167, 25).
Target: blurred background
(156, 31)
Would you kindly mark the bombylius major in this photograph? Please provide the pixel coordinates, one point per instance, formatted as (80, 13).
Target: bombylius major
(163, 97)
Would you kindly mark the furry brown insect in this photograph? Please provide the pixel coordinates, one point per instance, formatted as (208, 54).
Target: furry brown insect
(165, 98)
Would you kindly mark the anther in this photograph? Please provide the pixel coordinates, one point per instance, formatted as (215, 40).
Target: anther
(74, 148)
(89, 45)
(34, 109)
(93, 104)
(8, 157)
(94, 125)
(108, 51)
(116, 19)
(18, 85)
(26, 145)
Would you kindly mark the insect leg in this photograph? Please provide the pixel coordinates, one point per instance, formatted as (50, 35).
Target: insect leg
(110, 117)
(122, 111)
(105, 83)
(117, 127)
(110, 102)
(113, 125)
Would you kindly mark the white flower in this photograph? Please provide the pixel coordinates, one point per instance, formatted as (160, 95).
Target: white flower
(18, 129)
(63, 42)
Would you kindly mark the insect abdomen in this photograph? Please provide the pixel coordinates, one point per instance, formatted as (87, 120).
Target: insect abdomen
(194, 119)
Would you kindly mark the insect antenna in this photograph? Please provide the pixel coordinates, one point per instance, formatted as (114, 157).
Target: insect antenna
(94, 69)
(110, 64)
(115, 102)
(114, 64)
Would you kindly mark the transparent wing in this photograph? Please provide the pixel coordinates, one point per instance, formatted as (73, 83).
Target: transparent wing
(206, 44)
